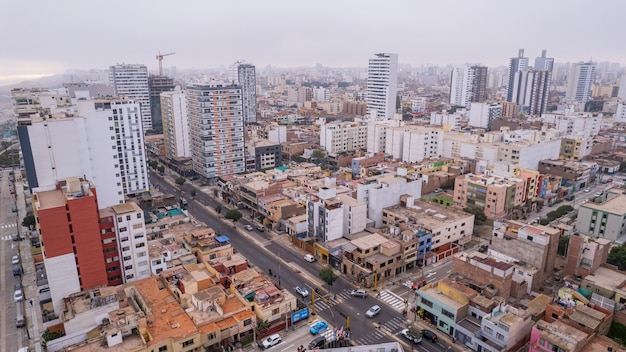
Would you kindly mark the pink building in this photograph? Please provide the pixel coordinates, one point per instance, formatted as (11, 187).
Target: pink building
(548, 337)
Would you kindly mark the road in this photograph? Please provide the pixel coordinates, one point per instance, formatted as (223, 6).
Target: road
(289, 269)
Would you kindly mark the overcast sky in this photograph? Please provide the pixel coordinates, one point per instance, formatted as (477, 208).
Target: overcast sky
(41, 37)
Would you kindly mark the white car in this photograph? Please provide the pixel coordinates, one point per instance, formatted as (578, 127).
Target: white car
(15, 260)
(270, 341)
(411, 336)
(248, 227)
(302, 291)
(372, 312)
(309, 258)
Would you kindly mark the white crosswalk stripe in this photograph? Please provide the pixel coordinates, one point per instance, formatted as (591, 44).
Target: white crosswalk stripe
(8, 226)
(375, 335)
(392, 299)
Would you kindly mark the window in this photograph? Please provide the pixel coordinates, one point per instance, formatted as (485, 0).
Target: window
(427, 302)
(247, 322)
(211, 336)
(162, 348)
(499, 336)
(447, 314)
(188, 343)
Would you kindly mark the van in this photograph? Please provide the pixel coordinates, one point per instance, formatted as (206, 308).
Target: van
(19, 319)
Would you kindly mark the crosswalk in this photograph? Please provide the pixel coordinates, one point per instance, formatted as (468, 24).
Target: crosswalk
(329, 333)
(8, 226)
(387, 296)
(392, 299)
(378, 334)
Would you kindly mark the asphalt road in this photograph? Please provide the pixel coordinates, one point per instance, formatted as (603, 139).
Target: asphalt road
(289, 269)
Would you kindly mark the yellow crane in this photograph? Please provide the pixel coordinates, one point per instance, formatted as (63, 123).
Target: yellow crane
(160, 58)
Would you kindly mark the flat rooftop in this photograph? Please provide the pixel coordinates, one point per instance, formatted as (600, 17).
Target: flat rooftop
(615, 205)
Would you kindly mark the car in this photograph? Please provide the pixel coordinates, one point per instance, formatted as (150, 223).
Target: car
(411, 336)
(358, 293)
(14, 209)
(260, 227)
(17, 271)
(302, 291)
(270, 341)
(18, 295)
(318, 342)
(15, 259)
(587, 190)
(372, 312)
(248, 227)
(570, 197)
(309, 258)
(418, 284)
(318, 327)
(438, 190)
(15, 237)
(429, 335)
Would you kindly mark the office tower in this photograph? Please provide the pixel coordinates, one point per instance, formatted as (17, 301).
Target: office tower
(67, 221)
(468, 85)
(516, 64)
(102, 141)
(131, 81)
(245, 75)
(531, 90)
(156, 86)
(175, 124)
(580, 81)
(216, 129)
(382, 85)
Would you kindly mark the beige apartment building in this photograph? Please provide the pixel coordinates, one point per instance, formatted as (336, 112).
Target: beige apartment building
(496, 195)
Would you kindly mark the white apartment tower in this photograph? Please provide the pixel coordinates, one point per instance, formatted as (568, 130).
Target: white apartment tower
(468, 84)
(481, 115)
(580, 81)
(175, 124)
(516, 64)
(215, 112)
(244, 75)
(343, 137)
(412, 144)
(382, 85)
(132, 241)
(131, 81)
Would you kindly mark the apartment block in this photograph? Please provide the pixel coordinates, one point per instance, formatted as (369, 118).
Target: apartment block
(580, 80)
(156, 86)
(343, 137)
(491, 277)
(131, 81)
(244, 75)
(382, 85)
(332, 215)
(575, 173)
(216, 129)
(444, 303)
(377, 135)
(468, 84)
(418, 105)
(370, 258)
(449, 121)
(557, 335)
(605, 217)
(175, 124)
(132, 241)
(575, 124)
(266, 154)
(414, 144)
(507, 327)
(497, 196)
(358, 108)
(482, 114)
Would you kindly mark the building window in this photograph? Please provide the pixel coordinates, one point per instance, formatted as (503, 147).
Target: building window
(188, 343)
(427, 302)
(162, 348)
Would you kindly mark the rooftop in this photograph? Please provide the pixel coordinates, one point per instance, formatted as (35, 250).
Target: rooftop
(615, 205)
(606, 278)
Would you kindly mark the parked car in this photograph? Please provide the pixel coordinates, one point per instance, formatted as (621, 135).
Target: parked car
(17, 271)
(419, 284)
(18, 295)
(429, 335)
(318, 327)
(15, 259)
(270, 341)
(358, 293)
(260, 227)
(438, 190)
(248, 227)
(411, 336)
(318, 342)
(309, 258)
(14, 209)
(587, 190)
(372, 312)
(302, 291)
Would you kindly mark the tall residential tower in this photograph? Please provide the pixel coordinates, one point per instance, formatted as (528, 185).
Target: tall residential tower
(131, 81)
(516, 64)
(244, 74)
(580, 81)
(382, 85)
(468, 85)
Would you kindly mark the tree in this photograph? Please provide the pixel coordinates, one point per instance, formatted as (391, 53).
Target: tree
(479, 214)
(29, 221)
(180, 180)
(318, 154)
(218, 209)
(328, 276)
(161, 169)
(233, 214)
(261, 326)
(563, 244)
(193, 192)
(617, 257)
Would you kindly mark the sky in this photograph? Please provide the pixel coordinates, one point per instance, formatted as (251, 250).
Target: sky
(40, 37)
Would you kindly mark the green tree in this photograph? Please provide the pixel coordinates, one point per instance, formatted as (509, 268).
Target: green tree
(153, 164)
(328, 276)
(29, 221)
(318, 154)
(161, 169)
(617, 257)
(479, 214)
(233, 214)
(261, 326)
(218, 209)
(180, 180)
(544, 222)
(563, 244)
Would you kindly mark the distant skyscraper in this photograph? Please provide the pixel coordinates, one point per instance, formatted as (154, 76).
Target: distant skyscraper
(468, 85)
(530, 90)
(382, 85)
(621, 93)
(156, 86)
(132, 81)
(517, 64)
(216, 129)
(544, 63)
(580, 81)
(175, 124)
(245, 75)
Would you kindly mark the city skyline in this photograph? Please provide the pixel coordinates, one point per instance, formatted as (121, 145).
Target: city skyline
(285, 34)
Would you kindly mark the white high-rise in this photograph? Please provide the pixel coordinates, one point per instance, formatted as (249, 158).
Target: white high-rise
(580, 81)
(131, 81)
(516, 64)
(382, 85)
(175, 125)
(244, 75)
(481, 115)
(468, 84)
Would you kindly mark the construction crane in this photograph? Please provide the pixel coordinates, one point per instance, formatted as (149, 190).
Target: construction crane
(160, 58)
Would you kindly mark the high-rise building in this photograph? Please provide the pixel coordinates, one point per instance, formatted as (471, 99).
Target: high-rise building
(382, 85)
(131, 81)
(516, 64)
(580, 81)
(468, 85)
(102, 141)
(531, 90)
(244, 75)
(544, 63)
(216, 129)
(132, 241)
(175, 124)
(156, 86)
(482, 114)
